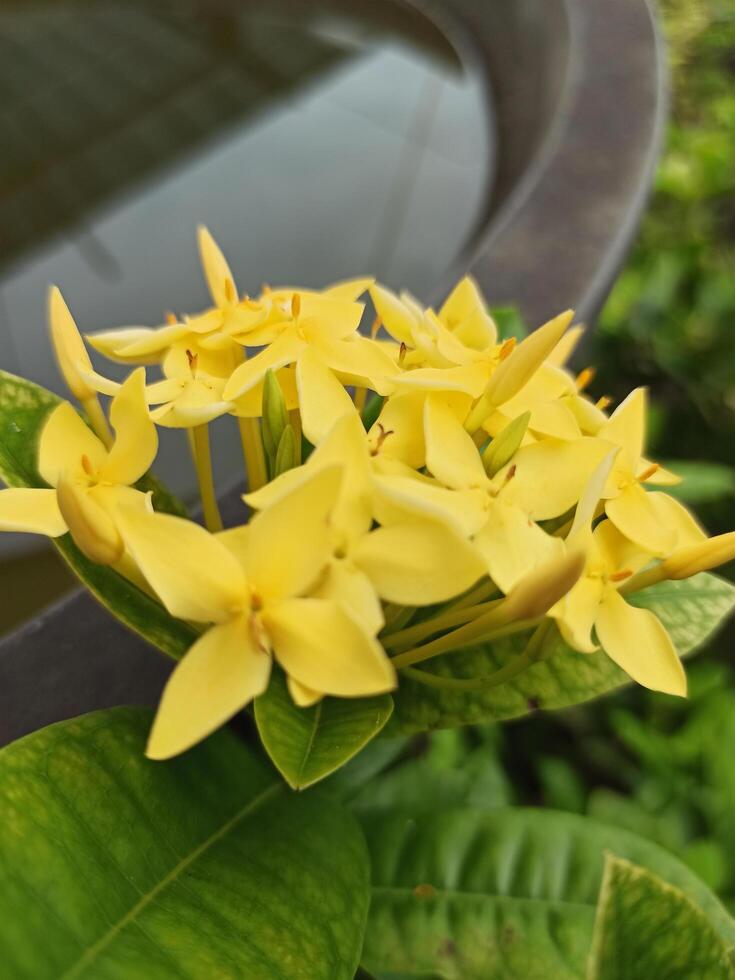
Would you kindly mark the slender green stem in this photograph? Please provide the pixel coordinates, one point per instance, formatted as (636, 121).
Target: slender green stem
(533, 652)
(295, 420)
(483, 630)
(203, 464)
(396, 617)
(437, 624)
(487, 589)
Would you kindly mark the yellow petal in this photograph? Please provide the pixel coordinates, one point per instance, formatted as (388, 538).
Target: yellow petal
(576, 613)
(216, 270)
(626, 427)
(517, 369)
(284, 350)
(554, 419)
(399, 430)
(660, 477)
(136, 440)
(469, 379)
(394, 315)
(64, 440)
(538, 591)
(221, 673)
(290, 542)
(513, 546)
(322, 398)
(418, 563)
(152, 346)
(198, 402)
(617, 552)
(71, 354)
(400, 498)
(674, 516)
(635, 517)
(566, 346)
(359, 361)
(550, 475)
(325, 648)
(111, 342)
(194, 574)
(477, 331)
(592, 494)
(463, 300)
(637, 641)
(344, 582)
(31, 511)
(349, 289)
(451, 454)
(93, 529)
(301, 695)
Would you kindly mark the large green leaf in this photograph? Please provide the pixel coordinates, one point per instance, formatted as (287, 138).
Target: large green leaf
(113, 866)
(510, 894)
(23, 410)
(307, 744)
(690, 609)
(647, 928)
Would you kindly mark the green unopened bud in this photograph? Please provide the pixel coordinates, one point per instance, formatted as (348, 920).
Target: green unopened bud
(275, 416)
(505, 445)
(286, 454)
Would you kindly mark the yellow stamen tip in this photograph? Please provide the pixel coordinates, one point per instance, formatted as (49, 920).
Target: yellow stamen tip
(507, 348)
(585, 377)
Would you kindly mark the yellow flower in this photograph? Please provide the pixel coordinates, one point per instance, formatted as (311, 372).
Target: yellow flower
(635, 639)
(627, 504)
(250, 583)
(90, 481)
(320, 339)
(463, 333)
(414, 560)
(144, 345)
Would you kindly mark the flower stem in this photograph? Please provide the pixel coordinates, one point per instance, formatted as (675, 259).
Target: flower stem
(485, 628)
(532, 653)
(252, 448)
(203, 464)
(295, 420)
(485, 590)
(437, 624)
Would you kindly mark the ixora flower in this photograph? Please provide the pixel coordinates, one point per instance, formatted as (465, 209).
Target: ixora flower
(250, 583)
(89, 481)
(479, 494)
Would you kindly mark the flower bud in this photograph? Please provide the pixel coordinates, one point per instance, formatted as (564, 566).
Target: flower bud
(275, 415)
(71, 354)
(535, 594)
(93, 530)
(516, 370)
(505, 445)
(700, 557)
(286, 455)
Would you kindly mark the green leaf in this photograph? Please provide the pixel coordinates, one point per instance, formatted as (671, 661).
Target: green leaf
(307, 744)
(206, 866)
(647, 928)
(690, 609)
(508, 894)
(509, 322)
(701, 483)
(24, 407)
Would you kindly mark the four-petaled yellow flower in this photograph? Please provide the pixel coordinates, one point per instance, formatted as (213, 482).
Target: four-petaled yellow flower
(251, 583)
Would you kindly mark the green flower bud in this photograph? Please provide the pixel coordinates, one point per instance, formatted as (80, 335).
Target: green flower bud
(505, 445)
(275, 417)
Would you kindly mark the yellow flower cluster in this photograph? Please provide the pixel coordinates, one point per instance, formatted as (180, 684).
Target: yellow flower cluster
(488, 482)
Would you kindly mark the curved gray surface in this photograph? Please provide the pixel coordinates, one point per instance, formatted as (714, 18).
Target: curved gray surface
(579, 91)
